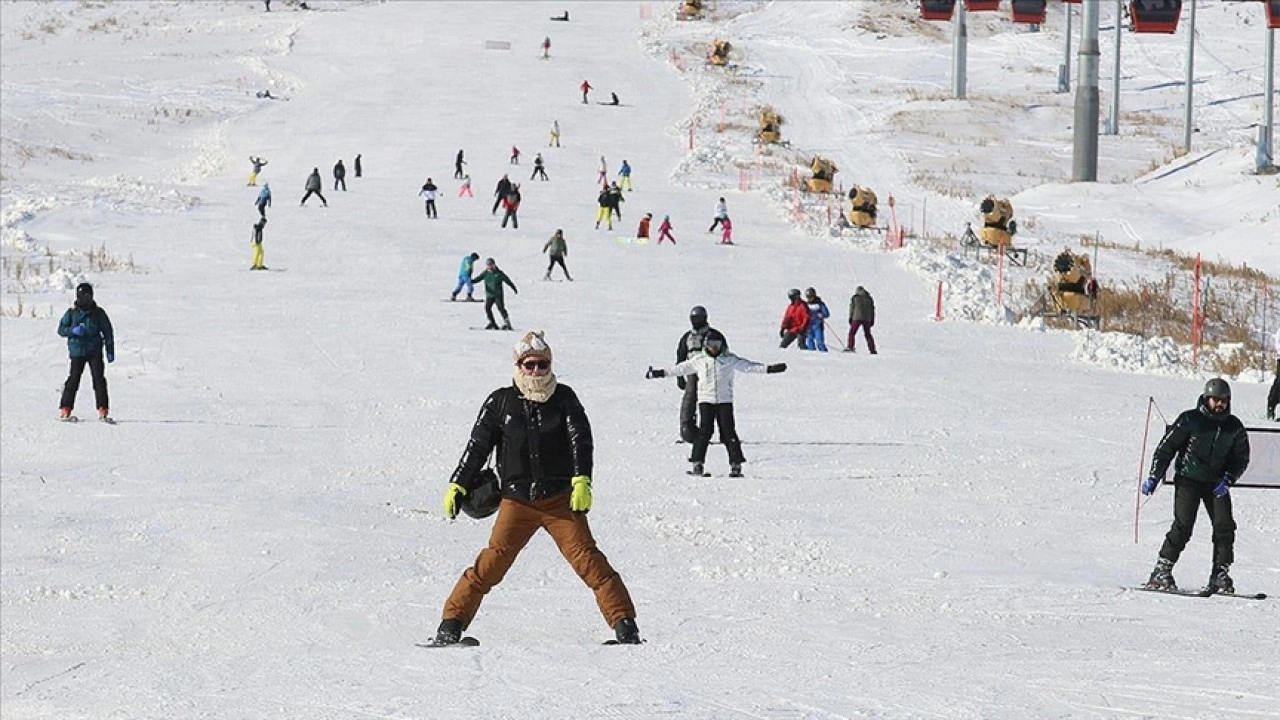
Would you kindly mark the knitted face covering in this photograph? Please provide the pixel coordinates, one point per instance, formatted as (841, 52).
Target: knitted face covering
(536, 387)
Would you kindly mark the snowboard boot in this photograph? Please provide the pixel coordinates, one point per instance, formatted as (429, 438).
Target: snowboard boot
(735, 470)
(449, 632)
(1162, 576)
(627, 632)
(697, 470)
(1220, 581)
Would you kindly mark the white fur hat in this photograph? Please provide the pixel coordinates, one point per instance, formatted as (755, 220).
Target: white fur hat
(531, 345)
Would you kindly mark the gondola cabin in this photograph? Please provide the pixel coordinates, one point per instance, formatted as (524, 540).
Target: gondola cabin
(1029, 11)
(982, 5)
(1273, 13)
(937, 9)
(1154, 16)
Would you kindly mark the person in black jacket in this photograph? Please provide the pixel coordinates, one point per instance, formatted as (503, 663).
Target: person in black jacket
(340, 176)
(1209, 449)
(88, 332)
(504, 187)
(543, 448)
(691, 344)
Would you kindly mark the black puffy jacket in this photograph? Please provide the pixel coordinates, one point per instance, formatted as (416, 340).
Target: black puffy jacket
(541, 446)
(1204, 447)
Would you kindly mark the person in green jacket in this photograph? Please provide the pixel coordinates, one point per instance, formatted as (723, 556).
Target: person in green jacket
(88, 332)
(558, 249)
(494, 278)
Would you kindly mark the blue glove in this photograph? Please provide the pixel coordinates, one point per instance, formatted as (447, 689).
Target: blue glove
(1223, 487)
(654, 373)
(1150, 484)
(78, 330)
(111, 356)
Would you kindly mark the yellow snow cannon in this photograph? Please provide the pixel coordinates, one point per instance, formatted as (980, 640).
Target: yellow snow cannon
(719, 52)
(824, 173)
(998, 225)
(1074, 288)
(690, 10)
(770, 126)
(863, 212)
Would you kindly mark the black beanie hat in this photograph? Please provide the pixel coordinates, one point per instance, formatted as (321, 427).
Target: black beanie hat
(84, 292)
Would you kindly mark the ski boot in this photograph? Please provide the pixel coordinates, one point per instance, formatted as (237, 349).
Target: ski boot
(449, 632)
(697, 470)
(1162, 576)
(64, 414)
(505, 326)
(491, 326)
(1220, 581)
(547, 276)
(104, 415)
(735, 470)
(627, 632)
(453, 296)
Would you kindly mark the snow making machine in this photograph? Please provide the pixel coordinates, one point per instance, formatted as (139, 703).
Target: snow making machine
(770, 130)
(997, 231)
(1073, 291)
(690, 10)
(719, 52)
(862, 215)
(824, 174)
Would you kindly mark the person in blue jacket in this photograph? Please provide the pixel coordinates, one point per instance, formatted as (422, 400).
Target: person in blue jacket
(818, 314)
(88, 331)
(264, 199)
(464, 276)
(624, 176)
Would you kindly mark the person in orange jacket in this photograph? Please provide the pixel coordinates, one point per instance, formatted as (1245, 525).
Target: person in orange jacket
(643, 232)
(795, 321)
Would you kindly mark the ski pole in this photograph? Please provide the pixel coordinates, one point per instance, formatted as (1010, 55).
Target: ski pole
(1137, 503)
(834, 334)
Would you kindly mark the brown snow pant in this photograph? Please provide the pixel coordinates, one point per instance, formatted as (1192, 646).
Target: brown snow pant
(516, 524)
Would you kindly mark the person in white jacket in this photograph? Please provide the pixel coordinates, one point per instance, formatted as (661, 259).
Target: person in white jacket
(715, 369)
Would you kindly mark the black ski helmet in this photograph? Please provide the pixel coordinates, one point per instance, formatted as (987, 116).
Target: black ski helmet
(793, 293)
(1217, 388)
(84, 292)
(697, 316)
(482, 500)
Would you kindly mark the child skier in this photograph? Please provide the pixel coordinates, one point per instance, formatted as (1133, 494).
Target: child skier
(642, 233)
(464, 277)
(624, 176)
(664, 230)
(466, 187)
(715, 369)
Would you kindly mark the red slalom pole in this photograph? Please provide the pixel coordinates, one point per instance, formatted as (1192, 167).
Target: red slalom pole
(937, 314)
(1137, 503)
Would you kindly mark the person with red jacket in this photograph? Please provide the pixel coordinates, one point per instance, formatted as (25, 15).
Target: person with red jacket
(664, 230)
(795, 321)
(585, 87)
(511, 203)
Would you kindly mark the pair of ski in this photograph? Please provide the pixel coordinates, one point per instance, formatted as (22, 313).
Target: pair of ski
(73, 419)
(705, 474)
(468, 642)
(1201, 593)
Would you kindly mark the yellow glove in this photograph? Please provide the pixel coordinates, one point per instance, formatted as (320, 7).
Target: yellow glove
(580, 500)
(451, 495)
